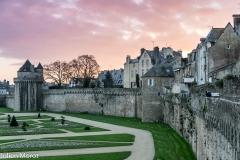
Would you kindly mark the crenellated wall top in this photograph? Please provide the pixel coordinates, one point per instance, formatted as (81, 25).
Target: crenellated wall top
(109, 91)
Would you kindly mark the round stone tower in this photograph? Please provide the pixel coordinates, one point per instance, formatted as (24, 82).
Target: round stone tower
(28, 88)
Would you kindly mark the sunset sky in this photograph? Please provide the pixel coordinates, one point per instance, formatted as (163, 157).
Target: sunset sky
(49, 30)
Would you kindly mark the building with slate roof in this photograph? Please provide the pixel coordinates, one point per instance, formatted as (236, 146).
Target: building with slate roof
(4, 87)
(117, 76)
(216, 54)
(155, 83)
(28, 87)
(147, 59)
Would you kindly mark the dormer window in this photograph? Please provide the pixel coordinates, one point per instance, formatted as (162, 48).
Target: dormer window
(228, 46)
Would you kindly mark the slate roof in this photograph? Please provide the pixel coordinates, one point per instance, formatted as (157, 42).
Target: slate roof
(135, 60)
(25, 67)
(39, 66)
(214, 34)
(160, 70)
(161, 57)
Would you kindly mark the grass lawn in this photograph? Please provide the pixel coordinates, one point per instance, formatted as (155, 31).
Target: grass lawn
(92, 129)
(6, 141)
(80, 145)
(108, 137)
(5, 109)
(102, 156)
(34, 117)
(73, 126)
(168, 143)
(49, 124)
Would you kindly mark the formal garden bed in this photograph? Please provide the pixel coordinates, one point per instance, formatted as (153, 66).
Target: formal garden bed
(19, 131)
(168, 144)
(106, 137)
(35, 145)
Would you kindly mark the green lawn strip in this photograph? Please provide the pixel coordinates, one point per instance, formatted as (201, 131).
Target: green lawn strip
(29, 122)
(74, 127)
(5, 109)
(27, 117)
(6, 141)
(108, 137)
(101, 156)
(184, 146)
(33, 117)
(20, 132)
(92, 129)
(157, 130)
(47, 124)
(82, 145)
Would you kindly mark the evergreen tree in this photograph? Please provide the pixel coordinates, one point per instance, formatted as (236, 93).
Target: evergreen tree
(39, 115)
(14, 122)
(137, 80)
(86, 82)
(108, 81)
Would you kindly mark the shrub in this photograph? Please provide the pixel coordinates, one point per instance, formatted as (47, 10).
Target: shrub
(219, 83)
(229, 76)
(87, 128)
(14, 122)
(53, 119)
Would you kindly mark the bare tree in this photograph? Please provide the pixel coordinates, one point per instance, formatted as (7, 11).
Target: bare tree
(57, 72)
(85, 66)
(76, 66)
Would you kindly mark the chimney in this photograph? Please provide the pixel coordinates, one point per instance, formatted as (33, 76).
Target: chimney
(128, 59)
(156, 54)
(202, 40)
(180, 52)
(236, 23)
(141, 51)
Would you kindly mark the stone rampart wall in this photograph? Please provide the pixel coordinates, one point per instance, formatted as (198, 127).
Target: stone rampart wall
(10, 101)
(210, 125)
(3, 100)
(114, 101)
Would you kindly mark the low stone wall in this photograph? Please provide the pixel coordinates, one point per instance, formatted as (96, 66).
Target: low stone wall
(210, 125)
(3, 100)
(10, 101)
(114, 101)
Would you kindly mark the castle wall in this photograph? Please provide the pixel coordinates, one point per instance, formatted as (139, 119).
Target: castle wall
(114, 101)
(210, 125)
(2, 100)
(10, 101)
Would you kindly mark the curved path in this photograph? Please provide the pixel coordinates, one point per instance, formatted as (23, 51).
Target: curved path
(142, 148)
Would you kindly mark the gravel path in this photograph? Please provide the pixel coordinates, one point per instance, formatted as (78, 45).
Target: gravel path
(142, 148)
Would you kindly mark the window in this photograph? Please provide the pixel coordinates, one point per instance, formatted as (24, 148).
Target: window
(142, 63)
(132, 74)
(133, 64)
(150, 82)
(142, 72)
(147, 62)
(228, 46)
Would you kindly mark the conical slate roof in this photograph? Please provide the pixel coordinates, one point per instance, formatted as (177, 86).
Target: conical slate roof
(39, 66)
(25, 67)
